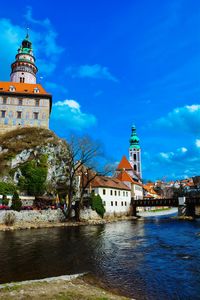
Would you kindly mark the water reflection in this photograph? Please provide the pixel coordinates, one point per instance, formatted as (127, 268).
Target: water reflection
(151, 259)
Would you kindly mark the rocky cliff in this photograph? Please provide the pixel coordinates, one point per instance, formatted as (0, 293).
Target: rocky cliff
(23, 145)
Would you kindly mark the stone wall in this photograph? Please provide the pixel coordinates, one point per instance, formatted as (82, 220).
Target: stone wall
(35, 216)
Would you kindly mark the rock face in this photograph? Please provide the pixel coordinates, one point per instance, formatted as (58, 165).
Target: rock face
(22, 145)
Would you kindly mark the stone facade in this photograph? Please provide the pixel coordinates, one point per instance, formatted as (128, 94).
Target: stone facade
(18, 111)
(34, 216)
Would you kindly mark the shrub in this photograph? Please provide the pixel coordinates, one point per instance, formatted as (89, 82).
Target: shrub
(16, 202)
(5, 200)
(9, 218)
(97, 204)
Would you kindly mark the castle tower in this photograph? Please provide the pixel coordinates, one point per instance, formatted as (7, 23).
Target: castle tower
(23, 68)
(135, 152)
(23, 102)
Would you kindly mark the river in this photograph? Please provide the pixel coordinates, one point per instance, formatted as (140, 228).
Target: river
(157, 258)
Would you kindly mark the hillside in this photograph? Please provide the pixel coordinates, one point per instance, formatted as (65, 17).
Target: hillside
(39, 146)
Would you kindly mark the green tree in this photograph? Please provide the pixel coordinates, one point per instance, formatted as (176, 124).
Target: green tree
(16, 202)
(97, 204)
(7, 188)
(34, 175)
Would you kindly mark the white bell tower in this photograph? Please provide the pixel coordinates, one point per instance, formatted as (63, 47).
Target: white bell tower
(135, 152)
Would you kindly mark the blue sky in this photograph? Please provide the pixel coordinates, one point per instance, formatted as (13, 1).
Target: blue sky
(111, 64)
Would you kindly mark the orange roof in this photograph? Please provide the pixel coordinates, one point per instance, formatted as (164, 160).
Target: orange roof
(103, 181)
(124, 164)
(22, 88)
(124, 176)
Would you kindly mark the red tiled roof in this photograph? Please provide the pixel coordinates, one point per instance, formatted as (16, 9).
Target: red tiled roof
(22, 88)
(124, 164)
(124, 176)
(103, 181)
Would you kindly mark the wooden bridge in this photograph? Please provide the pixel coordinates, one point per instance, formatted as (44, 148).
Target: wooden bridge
(186, 203)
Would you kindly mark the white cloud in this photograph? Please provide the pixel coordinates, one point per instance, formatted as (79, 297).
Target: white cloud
(43, 37)
(67, 115)
(70, 103)
(166, 155)
(197, 142)
(91, 71)
(182, 119)
(182, 149)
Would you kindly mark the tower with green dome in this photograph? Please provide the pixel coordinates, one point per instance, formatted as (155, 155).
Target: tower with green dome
(135, 152)
(23, 68)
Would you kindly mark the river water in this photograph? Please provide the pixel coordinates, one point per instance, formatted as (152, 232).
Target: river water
(154, 259)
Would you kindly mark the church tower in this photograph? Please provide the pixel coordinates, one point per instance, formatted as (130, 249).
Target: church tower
(135, 152)
(23, 68)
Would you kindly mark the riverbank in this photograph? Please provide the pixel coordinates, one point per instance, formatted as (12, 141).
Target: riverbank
(37, 225)
(60, 288)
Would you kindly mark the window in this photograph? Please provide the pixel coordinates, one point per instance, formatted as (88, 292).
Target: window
(134, 156)
(20, 102)
(115, 203)
(3, 113)
(104, 203)
(122, 203)
(125, 203)
(123, 193)
(21, 79)
(37, 102)
(19, 114)
(111, 203)
(126, 194)
(35, 115)
(36, 90)
(4, 100)
(118, 193)
(12, 88)
(104, 191)
(115, 193)
(135, 168)
(111, 192)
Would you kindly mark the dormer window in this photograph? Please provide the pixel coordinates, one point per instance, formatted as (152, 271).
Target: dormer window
(36, 90)
(1, 89)
(12, 88)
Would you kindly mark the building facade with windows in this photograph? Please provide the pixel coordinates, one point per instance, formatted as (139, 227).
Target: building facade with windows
(116, 195)
(23, 102)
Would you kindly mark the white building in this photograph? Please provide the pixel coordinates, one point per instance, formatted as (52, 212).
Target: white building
(136, 187)
(116, 195)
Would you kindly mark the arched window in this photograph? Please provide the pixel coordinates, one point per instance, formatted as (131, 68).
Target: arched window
(134, 156)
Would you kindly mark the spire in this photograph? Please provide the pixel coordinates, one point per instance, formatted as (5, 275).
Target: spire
(27, 33)
(134, 140)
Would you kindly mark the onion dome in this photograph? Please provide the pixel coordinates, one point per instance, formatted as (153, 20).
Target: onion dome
(134, 139)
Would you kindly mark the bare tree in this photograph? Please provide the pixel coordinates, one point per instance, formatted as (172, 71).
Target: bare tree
(84, 155)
